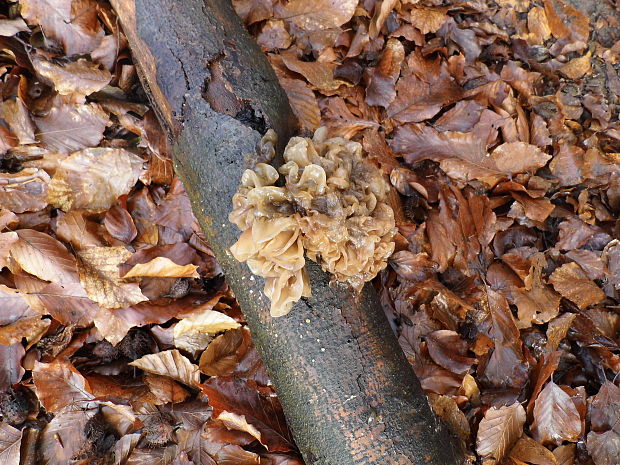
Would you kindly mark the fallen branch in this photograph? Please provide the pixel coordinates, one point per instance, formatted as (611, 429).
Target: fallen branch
(348, 392)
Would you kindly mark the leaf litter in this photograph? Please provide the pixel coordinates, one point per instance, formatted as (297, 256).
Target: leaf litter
(497, 125)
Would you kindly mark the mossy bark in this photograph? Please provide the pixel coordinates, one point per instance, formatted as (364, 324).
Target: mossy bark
(347, 390)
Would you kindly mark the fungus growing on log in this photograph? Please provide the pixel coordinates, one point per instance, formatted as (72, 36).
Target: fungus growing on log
(332, 207)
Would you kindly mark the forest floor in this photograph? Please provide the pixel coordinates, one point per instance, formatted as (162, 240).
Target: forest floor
(496, 123)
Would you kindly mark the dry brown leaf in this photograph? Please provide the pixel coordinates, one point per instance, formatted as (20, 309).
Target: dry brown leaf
(316, 15)
(111, 326)
(74, 227)
(195, 332)
(556, 418)
(380, 89)
(530, 451)
(317, 73)
(448, 350)
(381, 12)
(16, 115)
(71, 23)
(273, 35)
(220, 356)
(67, 303)
(604, 447)
(7, 239)
(238, 422)
(59, 385)
(428, 19)
(10, 443)
(24, 191)
(463, 156)
(30, 328)
(577, 67)
(14, 304)
(573, 283)
(80, 77)
(499, 430)
(445, 407)
(171, 364)
(538, 26)
(162, 267)
(12, 370)
(303, 102)
(166, 390)
(67, 127)
(99, 274)
(94, 179)
(565, 455)
(64, 436)
(45, 257)
(120, 224)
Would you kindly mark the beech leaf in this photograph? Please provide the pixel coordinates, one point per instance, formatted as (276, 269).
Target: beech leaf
(556, 418)
(94, 178)
(99, 274)
(43, 256)
(163, 267)
(171, 364)
(572, 282)
(499, 430)
(10, 442)
(194, 332)
(59, 384)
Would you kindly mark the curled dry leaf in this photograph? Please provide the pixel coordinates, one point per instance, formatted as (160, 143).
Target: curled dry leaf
(238, 422)
(448, 350)
(99, 274)
(556, 418)
(120, 224)
(43, 256)
(195, 332)
(10, 443)
(80, 77)
(445, 407)
(605, 408)
(499, 430)
(220, 356)
(111, 325)
(573, 283)
(60, 385)
(24, 191)
(317, 73)
(163, 267)
(171, 364)
(67, 127)
(94, 179)
(380, 89)
(72, 24)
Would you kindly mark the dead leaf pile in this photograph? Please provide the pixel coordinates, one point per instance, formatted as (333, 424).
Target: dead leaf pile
(497, 125)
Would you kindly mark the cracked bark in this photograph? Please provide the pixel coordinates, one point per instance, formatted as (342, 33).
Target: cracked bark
(347, 390)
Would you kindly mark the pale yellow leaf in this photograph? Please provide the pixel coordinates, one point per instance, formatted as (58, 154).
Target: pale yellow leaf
(78, 77)
(99, 274)
(163, 267)
(172, 364)
(194, 333)
(238, 422)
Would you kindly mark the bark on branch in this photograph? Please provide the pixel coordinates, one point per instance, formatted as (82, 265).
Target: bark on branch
(346, 388)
